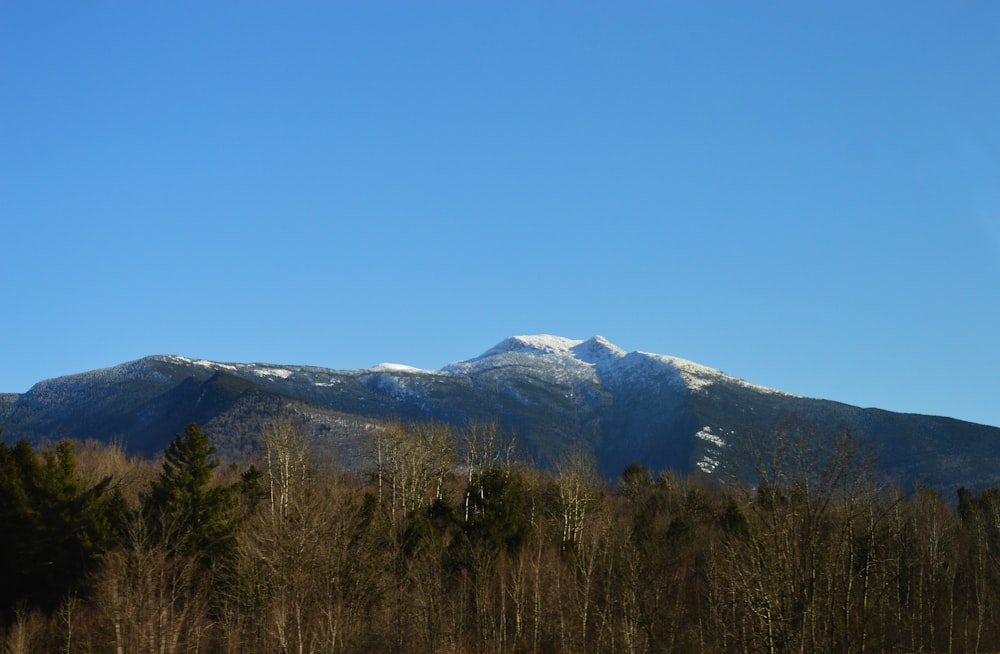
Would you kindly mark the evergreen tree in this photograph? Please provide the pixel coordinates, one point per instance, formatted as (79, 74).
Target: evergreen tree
(500, 511)
(54, 530)
(183, 510)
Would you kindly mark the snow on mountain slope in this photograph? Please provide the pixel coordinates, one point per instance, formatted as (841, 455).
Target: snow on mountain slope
(395, 367)
(598, 351)
(565, 360)
(542, 356)
(131, 370)
(595, 350)
(595, 359)
(519, 350)
(699, 378)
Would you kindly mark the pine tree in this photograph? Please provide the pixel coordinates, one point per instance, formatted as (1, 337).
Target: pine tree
(183, 510)
(54, 529)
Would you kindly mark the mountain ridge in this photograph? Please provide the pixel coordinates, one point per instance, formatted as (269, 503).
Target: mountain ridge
(553, 392)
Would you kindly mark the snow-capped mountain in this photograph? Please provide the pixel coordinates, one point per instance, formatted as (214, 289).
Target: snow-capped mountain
(553, 392)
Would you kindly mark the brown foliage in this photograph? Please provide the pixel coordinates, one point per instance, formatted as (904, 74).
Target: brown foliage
(818, 557)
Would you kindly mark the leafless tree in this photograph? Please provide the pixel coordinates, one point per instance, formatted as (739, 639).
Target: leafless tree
(414, 460)
(152, 597)
(577, 486)
(286, 453)
(483, 445)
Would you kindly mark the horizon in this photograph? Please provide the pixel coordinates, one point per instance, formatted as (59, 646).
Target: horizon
(803, 197)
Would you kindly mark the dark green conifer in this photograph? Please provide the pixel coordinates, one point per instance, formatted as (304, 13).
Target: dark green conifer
(183, 510)
(54, 530)
(500, 516)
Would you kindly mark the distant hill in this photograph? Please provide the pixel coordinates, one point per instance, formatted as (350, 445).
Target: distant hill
(553, 392)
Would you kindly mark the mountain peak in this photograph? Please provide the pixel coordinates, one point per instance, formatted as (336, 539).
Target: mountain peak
(541, 343)
(597, 350)
(586, 357)
(595, 347)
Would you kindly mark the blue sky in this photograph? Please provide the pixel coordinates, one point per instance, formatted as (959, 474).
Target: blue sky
(804, 195)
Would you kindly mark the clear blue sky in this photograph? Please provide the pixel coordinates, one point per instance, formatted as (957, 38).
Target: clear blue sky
(804, 195)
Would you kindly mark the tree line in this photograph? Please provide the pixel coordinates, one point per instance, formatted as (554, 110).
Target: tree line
(449, 544)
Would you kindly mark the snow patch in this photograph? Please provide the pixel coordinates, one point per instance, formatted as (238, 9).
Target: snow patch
(699, 378)
(280, 373)
(706, 435)
(204, 363)
(708, 464)
(710, 461)
(541, 343)
(394, 367)
(598, 351)
(394, 386)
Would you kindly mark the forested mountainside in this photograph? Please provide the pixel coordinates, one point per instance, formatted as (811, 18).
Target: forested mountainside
(554, 393)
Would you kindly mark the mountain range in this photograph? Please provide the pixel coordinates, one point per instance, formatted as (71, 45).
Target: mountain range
(553, 393)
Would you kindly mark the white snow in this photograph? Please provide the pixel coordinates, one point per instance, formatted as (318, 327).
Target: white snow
(541, 343)
(395, 386)
(395, 367)
(706, 435)
(708, 464)
(710, 461)
(598, 351)
(281, 373)
(567, 357)
(204, 363)
(699, 378)
(595, 360)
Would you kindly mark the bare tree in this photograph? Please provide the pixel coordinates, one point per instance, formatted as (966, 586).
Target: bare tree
(414, 460)
(24, 634)
(483, 445)
(779, 566)
(286, 455)
(152, 595)
(578, 485)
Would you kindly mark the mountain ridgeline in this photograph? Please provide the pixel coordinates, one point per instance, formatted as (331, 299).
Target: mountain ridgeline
(553, 393)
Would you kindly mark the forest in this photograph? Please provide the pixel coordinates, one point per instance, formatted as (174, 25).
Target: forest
(449, 542)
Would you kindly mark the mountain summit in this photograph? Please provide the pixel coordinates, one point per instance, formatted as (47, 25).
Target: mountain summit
(555, 393)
